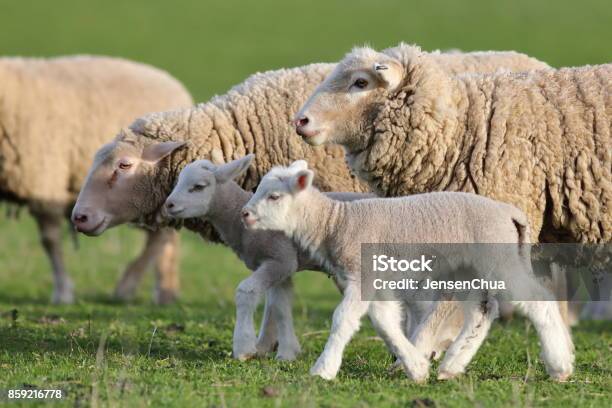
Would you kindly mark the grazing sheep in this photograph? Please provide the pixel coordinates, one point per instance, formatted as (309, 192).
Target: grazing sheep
(207, 191)
(539, 140)
(333, 231)
(253, 117)
(54, 114)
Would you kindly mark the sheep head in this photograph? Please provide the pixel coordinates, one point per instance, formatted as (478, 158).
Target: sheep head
(120, 185)
(276, 201)
(197, 184)
(344, 108)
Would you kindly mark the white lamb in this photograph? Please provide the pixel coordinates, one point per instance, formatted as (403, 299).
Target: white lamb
(333, 231)
(208, 191)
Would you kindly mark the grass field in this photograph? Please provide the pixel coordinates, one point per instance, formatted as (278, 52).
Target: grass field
(108, 354)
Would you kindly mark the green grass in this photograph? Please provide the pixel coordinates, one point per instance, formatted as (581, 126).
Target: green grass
(109, 354)
(180, 355)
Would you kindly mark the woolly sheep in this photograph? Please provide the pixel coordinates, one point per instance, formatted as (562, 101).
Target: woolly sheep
(539, 140)
(54, 114)
(253, 117)
(333, 231)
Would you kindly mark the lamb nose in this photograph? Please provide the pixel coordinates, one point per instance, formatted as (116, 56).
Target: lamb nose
(245, 213)
(170, 204)
(301, 121)
(79, 218)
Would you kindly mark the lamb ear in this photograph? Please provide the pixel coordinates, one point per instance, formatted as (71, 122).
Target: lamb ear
(390, 72)
(233, 169)
(299, 165)
(301, 180)
(154, 153)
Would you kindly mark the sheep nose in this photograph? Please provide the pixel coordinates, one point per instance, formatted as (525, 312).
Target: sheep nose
(79, 218)
(246, 214)
(301, 122)
(169, 205)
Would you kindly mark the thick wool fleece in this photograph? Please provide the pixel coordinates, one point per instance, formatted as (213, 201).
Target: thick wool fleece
(539, 140)
(255, 117)
(55, 113)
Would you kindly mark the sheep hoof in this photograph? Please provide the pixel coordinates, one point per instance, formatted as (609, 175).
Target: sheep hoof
(289, 353)
(165, 297)
(245, 356)
(562, 377)
(319, 371)
(63, 297)
(446, 375)
(265, 347)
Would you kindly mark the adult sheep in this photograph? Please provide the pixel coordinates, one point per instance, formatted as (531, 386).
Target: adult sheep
(540, 140)
(144, 160)
(54, 114)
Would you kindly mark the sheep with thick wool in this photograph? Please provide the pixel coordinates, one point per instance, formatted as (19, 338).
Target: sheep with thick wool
(253, 117)
(54, 114)
(333, 233)
(540, 140)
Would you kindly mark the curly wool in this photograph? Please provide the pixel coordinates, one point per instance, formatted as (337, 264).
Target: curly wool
(255, 117)
(55, 113)
(539, 140)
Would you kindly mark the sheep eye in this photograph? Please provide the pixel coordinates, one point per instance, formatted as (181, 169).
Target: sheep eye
(360, 83)
(197, 187)
(124, 165)
(273, 197)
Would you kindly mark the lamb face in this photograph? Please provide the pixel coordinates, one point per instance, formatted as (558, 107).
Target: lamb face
(194, 190)
(197, 185)
(273, 206)
(118, 189)
(341, 108)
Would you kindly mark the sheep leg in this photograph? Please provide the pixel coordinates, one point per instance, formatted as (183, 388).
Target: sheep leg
(166, 268)
(270, 274)
(557, 346)
(268, 339)
(50, 228)
(345, 323)
(387, 320)
(282, 300)
(478, 319)
(438, 329)
(126, 288)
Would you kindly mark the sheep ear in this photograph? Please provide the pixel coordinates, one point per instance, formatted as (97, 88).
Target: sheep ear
(233, 169)
(301, 180)
(154, 153)
(390, 73)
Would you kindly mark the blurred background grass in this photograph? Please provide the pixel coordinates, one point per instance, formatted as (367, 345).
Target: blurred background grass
(210, 46)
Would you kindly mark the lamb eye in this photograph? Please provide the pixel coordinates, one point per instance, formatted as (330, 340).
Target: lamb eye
(125, 165)
(273, 197)
(197, 187)
(360, 83)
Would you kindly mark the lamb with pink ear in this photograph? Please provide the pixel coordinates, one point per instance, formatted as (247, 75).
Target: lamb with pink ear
(333, 232)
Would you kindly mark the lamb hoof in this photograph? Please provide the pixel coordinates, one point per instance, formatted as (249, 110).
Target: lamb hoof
(289, 353)
(563, 377)
(244, 356)
(319, 371)
(265, 348)
(446, 375)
